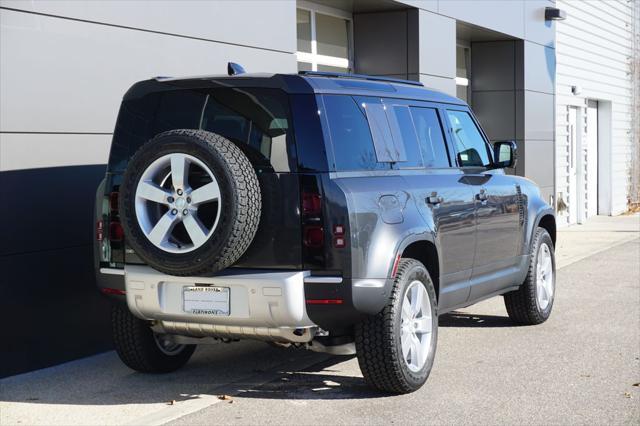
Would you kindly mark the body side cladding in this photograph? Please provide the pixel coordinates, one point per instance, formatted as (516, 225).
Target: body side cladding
(370, 295)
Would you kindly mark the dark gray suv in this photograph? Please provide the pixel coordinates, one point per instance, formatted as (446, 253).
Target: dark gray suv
(333, 212)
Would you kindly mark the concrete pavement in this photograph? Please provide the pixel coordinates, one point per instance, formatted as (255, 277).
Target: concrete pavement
(579, 367)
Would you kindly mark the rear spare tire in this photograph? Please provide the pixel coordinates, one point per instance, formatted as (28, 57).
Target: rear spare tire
(189, 202)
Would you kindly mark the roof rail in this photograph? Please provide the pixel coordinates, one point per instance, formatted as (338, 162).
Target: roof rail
(359, 77)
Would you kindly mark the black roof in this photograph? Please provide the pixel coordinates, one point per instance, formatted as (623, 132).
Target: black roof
(302, 83)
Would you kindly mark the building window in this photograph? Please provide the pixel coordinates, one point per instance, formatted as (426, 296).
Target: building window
(463, 71)
(324, 39)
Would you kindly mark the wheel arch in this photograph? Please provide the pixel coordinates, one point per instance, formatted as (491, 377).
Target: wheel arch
(425, 251)
(548, 222)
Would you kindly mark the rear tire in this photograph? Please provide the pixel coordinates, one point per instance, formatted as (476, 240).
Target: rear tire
(141, 349)
(531, 304)
(380, 338)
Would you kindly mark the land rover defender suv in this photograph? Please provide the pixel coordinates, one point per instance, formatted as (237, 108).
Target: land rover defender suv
(333, 212)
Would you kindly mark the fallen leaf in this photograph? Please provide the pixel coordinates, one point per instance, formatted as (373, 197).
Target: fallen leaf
(636, 385)
(173, 401)
(231, 401)
(224, 397)
(627, 394)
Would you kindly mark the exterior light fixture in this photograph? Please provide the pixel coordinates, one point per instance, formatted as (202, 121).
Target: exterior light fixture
(554, 14)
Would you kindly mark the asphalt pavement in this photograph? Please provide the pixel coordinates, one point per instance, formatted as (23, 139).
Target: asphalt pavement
(579, 367)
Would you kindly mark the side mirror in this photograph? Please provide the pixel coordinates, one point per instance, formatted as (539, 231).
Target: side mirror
(505, 154)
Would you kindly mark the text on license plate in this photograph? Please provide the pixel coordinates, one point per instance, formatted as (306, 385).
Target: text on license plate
(206, 300)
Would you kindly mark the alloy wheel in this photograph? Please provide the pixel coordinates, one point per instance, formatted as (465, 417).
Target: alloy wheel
(416, 326)
(177, 203)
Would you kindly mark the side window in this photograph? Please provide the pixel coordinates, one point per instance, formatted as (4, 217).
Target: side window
(350, 135)
(394, 136)
(472, 149)
(430, 136)
(404, 136)
(379, 125)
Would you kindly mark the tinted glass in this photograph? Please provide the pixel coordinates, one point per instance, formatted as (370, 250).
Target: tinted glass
(404, 136)
(303, 21)
(379, 127)
(350, 135)
(327, 68)
(258, 120)
(430, 137)
(255, 118)
(332, 36)
(472, 150)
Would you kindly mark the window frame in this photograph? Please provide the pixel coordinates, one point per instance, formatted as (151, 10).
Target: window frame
(454, 147)
(314, 58)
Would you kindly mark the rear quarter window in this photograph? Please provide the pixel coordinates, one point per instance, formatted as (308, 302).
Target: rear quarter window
(350, 135)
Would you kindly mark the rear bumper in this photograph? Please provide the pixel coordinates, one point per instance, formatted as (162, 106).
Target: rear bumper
(263, 304)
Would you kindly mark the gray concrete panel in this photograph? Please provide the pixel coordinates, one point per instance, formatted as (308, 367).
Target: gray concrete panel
(437, 45)
(19, 151)
(445, 85)
(240, 22)
(540, 68)
(496, 111)
(75, 74)
(539, 118)
(380, 43)
(493, 65)
(497, 15)
(539, 168)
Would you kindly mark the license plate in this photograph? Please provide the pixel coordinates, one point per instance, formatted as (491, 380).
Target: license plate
(203, 300)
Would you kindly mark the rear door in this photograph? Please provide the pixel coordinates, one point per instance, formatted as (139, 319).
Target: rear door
(445, 202)
(496, 200)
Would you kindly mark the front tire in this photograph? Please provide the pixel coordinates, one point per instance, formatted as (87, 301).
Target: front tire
(531, 304)
(396, 347)
(143, 350)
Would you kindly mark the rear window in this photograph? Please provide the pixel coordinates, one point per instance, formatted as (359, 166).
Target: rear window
(257, 120)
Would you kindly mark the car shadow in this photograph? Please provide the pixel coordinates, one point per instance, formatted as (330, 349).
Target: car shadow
(244, 369)
(247, 368)
(466, 320)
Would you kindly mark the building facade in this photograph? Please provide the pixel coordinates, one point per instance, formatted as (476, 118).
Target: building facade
(64, 66)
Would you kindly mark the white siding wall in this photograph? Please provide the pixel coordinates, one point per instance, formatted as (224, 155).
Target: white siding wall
(594, 48)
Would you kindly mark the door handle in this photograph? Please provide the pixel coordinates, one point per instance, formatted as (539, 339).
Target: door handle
(482, 196)
(434, 199)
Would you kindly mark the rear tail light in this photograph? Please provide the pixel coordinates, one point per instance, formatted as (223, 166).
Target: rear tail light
(313, 232)
(99, 230)
(313, 236)
(116, 233)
